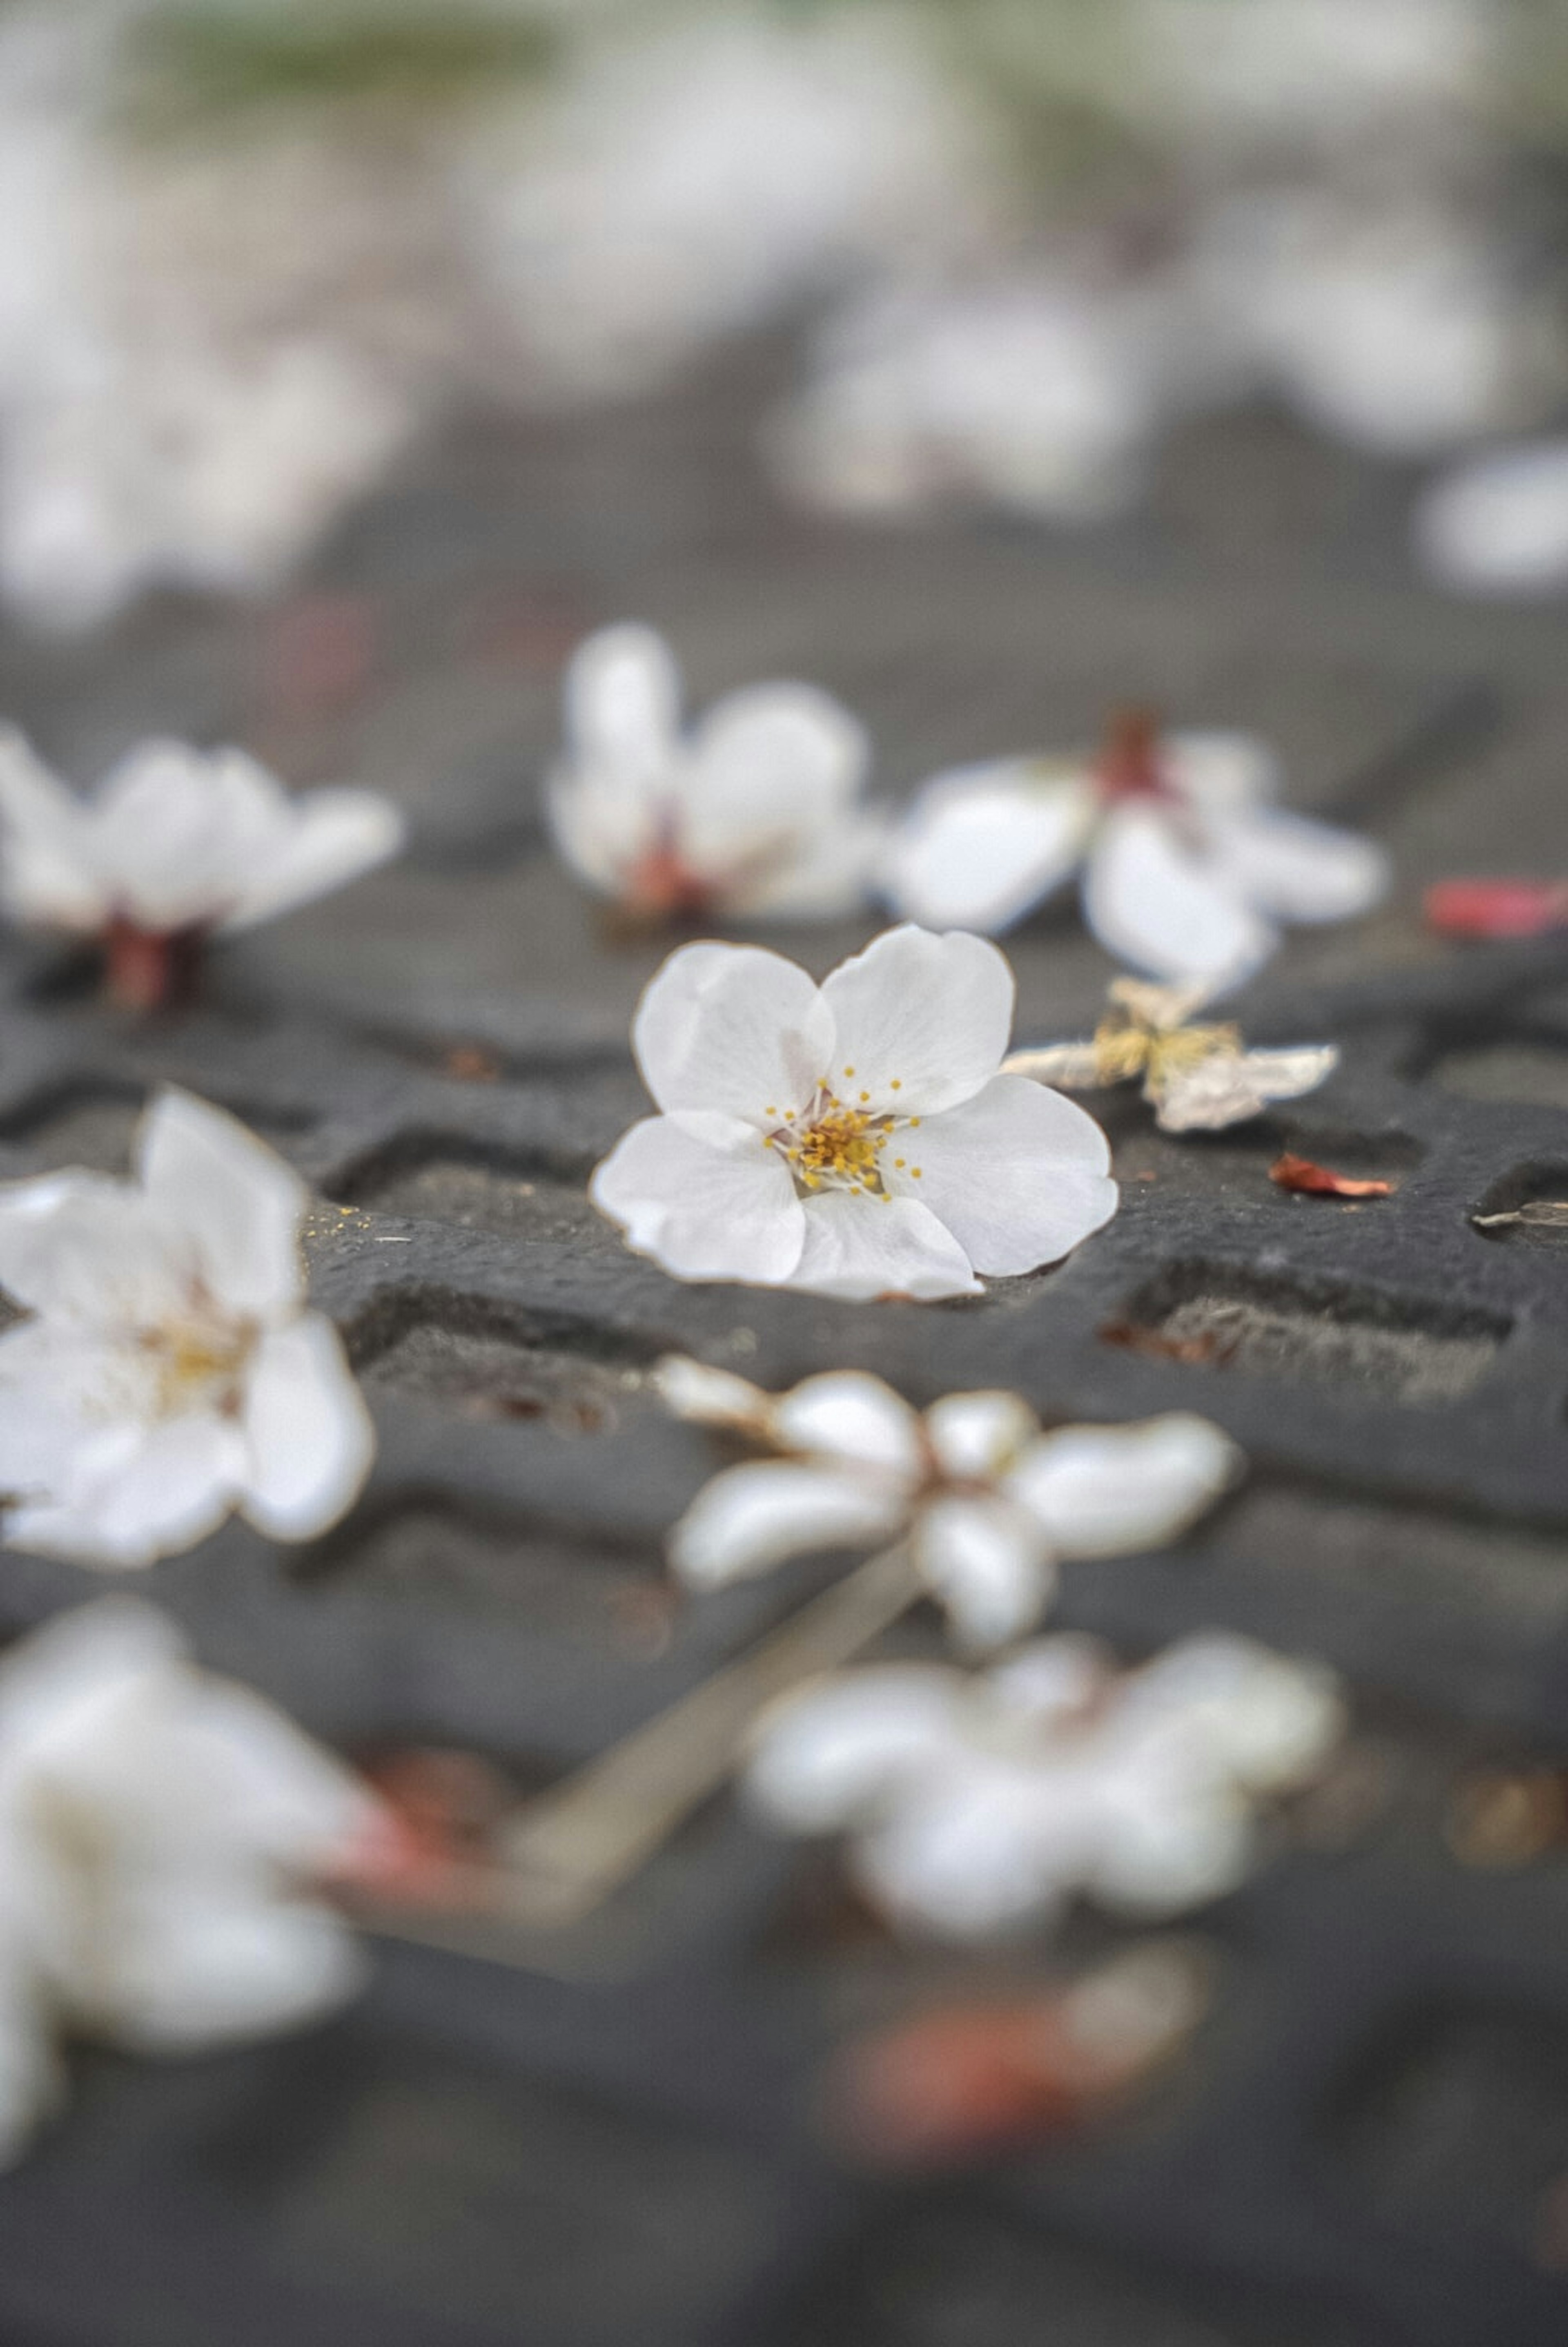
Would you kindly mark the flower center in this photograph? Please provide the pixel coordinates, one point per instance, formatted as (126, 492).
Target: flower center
(197, 1364)
(836, 1144)
(1130, 766)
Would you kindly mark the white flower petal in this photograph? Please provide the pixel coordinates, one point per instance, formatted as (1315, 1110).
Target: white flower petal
(977, 1436)
(1019, 1175)
(849, 1416)
(733, 1027)
(1050, 1682)
(331, 838)
(178, 833)
(1299, 870)
(921, 1021)
(770, 763)
(705, 1197)
(1269, 1720)
(822, 875)
(1165, 1848)
(1155, 900)
(1229, 1087)
(169, 1486)
(711, 1397)
(227, 1199)
(974, 1851)
(749, 1519)
(1111, 1491)
(986, 1562)
(981, 846)
(1220, 773)
(1499, 525)
(47, 874)
(623, 705)
(207, 1963)
(1065, 1066)
(824, 1757)
(84, 1248)
(864, 1247)
(307, 1430)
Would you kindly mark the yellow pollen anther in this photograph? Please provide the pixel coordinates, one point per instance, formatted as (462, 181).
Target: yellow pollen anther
(897, 1085)
(898, 1161)
(770, 1111)
(865, 1096)
(914, 1170)
(849, 1072)
(914, 1124)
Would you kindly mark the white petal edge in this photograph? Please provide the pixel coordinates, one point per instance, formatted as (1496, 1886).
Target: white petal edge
(704, 1198)
(849, 1417)
(980, 847)
(1113, 1491)
(986, 1562)
(826, 1755)
(1020, 1174)
(1157, 901)
(862, 1248)
(307, 1430)
(749, 1519)
(734, 1028)
(334, 836)
(919, 1021)
(223, 1192)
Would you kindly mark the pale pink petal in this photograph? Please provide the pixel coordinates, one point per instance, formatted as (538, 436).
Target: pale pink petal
(864, 1247)
(986, 1562)
(307, 1430)
(1155, 899)
(1299, 870)
(849, 1417)
(749, 1519)
(1019, 1176)
(919, 1021)
(227, 1201)
(823, 1759)
(1110, 1490)
(982, 846)
(705, 1197)
(733, 1027)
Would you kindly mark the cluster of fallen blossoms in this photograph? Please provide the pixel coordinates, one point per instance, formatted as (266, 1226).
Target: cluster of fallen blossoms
(872, 1136)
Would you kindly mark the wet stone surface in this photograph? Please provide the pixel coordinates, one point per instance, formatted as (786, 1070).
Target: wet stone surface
(1367, 2143)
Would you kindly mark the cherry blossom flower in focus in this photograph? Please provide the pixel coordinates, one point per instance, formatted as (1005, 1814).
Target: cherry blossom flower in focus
(989, 1504)
(856, 1139)
(160, 1832)
(168, 1370)
(1197, 1077)
(1187, 871)
(975, 1805)
(178, 844)
(756, 811)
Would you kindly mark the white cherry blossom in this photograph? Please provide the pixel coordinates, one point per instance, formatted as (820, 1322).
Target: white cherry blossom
(1187, 871)
(989, 1504)
(975, 1805)
(1197, 1077)
(1498, 524)
(756, 811)
(857, 1138)
(160, 1831)
(179, 844)
(168, 1370)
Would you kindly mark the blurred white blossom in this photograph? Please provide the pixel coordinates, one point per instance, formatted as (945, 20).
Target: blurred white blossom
(1498, 525)
(856, 1139)
(160, 1832)
(168, 1370)
(758, 810)
(989, 1504)
(1189, 871)
(178, 843)
(975, 1805)
(1197, 1076)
